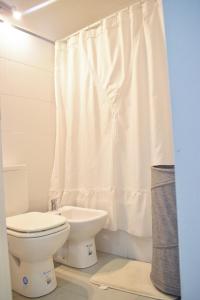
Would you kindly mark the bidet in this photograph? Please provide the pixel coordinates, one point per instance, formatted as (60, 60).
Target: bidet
(79, 250)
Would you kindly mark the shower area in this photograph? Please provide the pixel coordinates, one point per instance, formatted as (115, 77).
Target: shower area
(113, 122)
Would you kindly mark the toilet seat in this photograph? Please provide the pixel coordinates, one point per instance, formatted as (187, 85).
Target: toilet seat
(37, 234)
(35, 224)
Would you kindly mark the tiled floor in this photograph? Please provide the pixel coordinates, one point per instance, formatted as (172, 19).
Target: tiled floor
(76, 286)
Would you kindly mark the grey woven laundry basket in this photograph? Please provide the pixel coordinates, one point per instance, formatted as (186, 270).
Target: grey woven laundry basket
(165, 262)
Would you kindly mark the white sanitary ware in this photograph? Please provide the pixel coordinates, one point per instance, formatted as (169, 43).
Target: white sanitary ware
(33, 239)
(79, 250)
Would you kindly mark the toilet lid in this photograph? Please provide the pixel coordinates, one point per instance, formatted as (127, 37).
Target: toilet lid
(34, 222)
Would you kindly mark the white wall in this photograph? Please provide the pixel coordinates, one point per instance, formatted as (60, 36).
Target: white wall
(28, 108)
(5, 281)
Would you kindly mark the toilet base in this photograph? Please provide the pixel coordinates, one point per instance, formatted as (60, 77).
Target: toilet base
(32, 279)
(77, 254)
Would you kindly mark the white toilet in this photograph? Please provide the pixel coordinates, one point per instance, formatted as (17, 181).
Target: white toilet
(33, 239)
(79, 250)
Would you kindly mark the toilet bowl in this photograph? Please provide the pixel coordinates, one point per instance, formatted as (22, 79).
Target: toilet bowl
(79, 250)
(33, 239)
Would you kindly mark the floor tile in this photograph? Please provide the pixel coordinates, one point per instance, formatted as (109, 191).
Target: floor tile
(63, 290)
(73, 284)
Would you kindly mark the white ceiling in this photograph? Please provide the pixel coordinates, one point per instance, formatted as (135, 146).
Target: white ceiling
(64, 17)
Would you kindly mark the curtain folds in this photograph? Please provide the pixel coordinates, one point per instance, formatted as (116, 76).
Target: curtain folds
(113, 116)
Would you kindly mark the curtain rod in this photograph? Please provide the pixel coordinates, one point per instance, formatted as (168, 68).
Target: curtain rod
(31, 33)
(90, 26)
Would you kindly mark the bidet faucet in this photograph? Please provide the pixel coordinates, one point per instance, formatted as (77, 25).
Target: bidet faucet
(54, 204)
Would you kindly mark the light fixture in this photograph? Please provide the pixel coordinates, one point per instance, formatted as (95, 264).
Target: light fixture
(38, 6)
(7, 10)
(17, 15)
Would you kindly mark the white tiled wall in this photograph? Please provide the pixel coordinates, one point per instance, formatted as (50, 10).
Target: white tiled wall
(28, 108)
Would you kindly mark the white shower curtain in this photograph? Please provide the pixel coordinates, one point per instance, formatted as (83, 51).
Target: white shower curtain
(113, 116)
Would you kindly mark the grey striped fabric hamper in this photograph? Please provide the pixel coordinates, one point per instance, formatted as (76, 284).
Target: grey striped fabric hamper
(165, 262)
